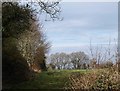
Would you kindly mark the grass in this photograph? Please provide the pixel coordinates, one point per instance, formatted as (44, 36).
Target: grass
(72, 79)
(56, 79)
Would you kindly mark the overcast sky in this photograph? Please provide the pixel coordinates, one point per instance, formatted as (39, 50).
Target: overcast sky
(82, 22)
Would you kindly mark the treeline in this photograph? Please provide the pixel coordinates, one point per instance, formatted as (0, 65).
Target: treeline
(76, 60)
(22, 39)
(24, 45)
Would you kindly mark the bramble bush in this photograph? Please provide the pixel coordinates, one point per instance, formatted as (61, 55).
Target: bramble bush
(101, 79)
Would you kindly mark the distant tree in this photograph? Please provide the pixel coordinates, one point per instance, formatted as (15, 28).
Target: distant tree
(78, 59)
(65, 61)
(100, 53)
(54, 60)
(93, 63)
(53, 66)
(109, 64)
(60, 60)
(84, 66)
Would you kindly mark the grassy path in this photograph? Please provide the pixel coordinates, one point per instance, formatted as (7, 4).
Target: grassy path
(49, 80)
(59, 79)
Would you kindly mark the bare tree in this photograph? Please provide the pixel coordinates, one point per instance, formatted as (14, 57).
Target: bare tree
(66, 61)
(78, 59)
(51, 9)
(102, 53)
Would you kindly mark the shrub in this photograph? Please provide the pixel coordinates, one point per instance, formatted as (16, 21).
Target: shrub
(105, 79)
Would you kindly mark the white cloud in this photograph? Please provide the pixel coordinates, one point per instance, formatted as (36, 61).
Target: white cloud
(98, 21)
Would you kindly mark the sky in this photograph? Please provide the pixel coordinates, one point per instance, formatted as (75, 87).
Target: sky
(83, 21)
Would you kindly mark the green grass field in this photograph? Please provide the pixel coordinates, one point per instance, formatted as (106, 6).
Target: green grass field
(61, 79)
(49, 80)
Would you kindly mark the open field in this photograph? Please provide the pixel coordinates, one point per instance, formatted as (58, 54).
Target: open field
(73, 79)
(49, 80)
(76, 50)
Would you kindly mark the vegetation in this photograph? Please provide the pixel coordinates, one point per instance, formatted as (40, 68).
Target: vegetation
(102, 79)
(76, 60)
(24, 43)
(56, 79)
(105, 79)
(12, 58)
(24, 49)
